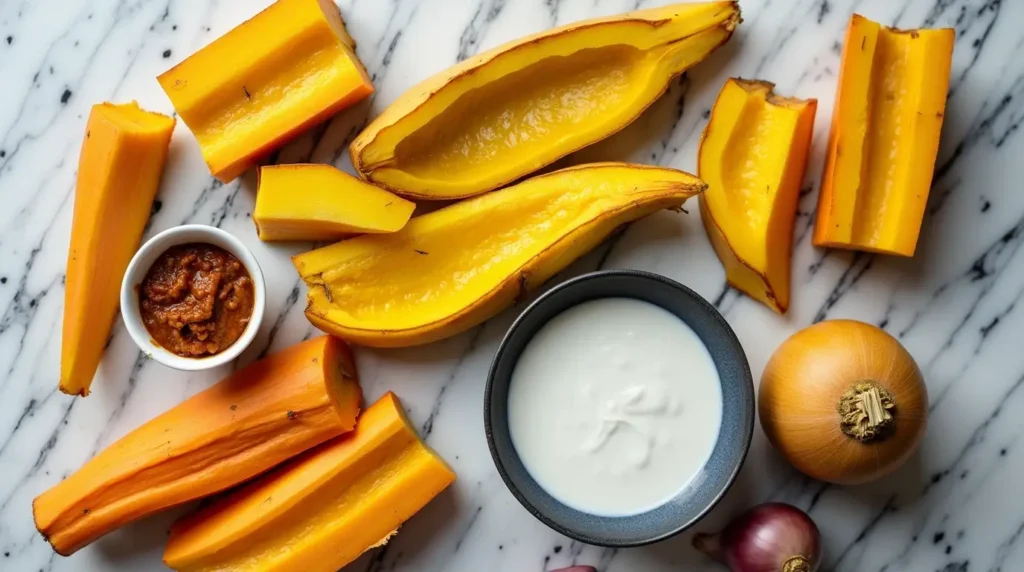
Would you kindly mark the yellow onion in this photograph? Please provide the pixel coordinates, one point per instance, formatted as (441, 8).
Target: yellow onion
(843, 401)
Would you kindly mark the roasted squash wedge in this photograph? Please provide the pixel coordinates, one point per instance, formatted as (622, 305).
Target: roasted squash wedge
(503, 114)
(119, 172)
(322, 510)
(247, 423)
(886, 122)
(291, 66)
(451, 269)
(320, 202)
(753, 156)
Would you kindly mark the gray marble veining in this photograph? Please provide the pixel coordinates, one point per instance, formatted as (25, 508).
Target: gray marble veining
(956, 305)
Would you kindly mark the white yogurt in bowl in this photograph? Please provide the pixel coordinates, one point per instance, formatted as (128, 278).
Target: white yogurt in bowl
(614, 406)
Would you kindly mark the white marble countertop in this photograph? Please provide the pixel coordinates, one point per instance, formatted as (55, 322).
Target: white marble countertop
(957, 305)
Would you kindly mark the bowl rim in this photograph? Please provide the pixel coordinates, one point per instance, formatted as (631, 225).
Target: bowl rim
(509, 480)
(143, 260)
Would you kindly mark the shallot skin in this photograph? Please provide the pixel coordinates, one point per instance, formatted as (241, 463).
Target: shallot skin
(772, 537)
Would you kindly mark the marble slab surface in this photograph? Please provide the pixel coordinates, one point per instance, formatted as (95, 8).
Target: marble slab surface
(956, 305)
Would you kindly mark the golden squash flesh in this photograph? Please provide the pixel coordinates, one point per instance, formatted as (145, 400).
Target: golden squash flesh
(321, 510)
(319, 202)
(753, 155)
(451, 269)
(288, 68)
(503, 114)
(886, 122)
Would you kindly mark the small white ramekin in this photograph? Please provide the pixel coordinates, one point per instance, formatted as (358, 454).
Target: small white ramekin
(147, 255)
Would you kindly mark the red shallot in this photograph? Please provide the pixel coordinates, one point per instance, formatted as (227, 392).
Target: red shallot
(772, 537)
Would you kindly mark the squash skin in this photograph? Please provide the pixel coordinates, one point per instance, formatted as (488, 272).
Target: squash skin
(238, 428)
(320, 202)
(884, 137)
(321, 510)
(291, 66)
(664, 42)
(753, 155)
(119, 170)
(451, 269)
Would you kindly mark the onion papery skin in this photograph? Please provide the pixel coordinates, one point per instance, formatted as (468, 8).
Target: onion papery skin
(804, 382)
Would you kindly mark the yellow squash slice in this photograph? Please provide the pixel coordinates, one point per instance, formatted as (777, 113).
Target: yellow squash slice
(320, 202)
(451, 269)
(321, 510)
(119, 171)
(503, 114)
(885, 136)
(291, 66)
(753, 155)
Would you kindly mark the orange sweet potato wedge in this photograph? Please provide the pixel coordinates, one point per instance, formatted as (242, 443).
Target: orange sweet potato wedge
(247, 423)
(321, 510)
(119, 172)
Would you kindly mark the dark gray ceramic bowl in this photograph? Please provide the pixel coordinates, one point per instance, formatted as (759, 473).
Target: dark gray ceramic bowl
(707, 488)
